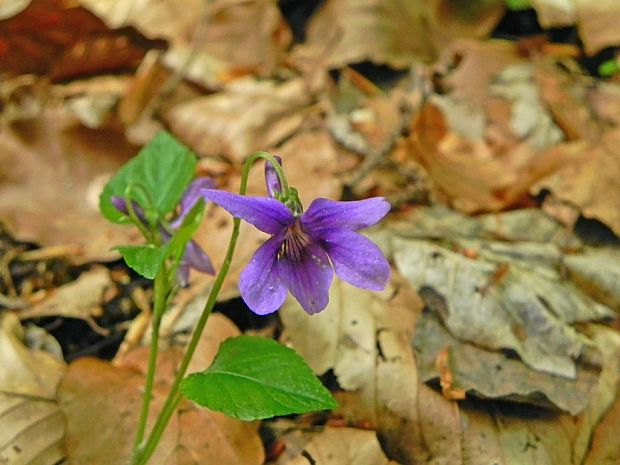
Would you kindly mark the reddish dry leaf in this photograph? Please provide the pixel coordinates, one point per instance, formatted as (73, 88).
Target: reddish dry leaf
(63, 40)
(52, 173)
(473, 174)
(111, 393)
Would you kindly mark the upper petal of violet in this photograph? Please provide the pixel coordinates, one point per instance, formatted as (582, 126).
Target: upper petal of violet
(267, 214)
(259, 283)
(324, 214)
(356, 259)
(190, 197)
(272, 180)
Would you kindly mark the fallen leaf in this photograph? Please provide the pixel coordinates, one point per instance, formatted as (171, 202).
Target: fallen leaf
(335, 446)
(247, 116)
(63, 40)
(492, 374)
(475, 18)
(53, 173)
(31, 424)
(209, 42)
(341, 32)
(113, 392)
(590, 178)
(82, 298)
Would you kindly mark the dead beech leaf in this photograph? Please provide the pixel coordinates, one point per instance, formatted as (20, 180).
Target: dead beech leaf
(393, 32)
(112, 393)
(336, 446)
(474, 174)
(81, 298)
(595, 21)
(214, 34)
(475, 18)
(590, 178)
(498, 294)
(31, 424)
(463, 367)
(53, 172)
(248, 115)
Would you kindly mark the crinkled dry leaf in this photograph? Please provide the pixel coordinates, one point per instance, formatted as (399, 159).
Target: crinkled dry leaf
(218, 40)
(81, 298)
(590, 178)
(248, 115)
(498, 294)
(112, 393)
(392, 32)
(336, 446)
(53, 172)
(492, 374)
(31, 424)
(596, 21)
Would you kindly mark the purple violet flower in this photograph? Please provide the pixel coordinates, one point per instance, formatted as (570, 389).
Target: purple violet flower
(302, 249)
(193, 257)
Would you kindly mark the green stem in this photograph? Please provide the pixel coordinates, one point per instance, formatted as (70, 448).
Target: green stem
(174, 397)
(160, 288)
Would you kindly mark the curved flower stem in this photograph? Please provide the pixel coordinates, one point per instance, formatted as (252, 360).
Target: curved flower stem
(174, 397)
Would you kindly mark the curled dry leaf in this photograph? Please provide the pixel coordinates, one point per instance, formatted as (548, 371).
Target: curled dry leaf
(393, 32)
(210, 42)
(94, 388)
(31, 424)
(248, 115)
(590, 178)
(596, 21)
(53, 173)
(81, 298)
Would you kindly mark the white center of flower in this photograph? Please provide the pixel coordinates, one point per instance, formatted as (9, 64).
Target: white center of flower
(295, 242)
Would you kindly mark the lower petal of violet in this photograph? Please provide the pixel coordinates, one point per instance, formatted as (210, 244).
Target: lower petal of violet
(356, 259)
(259, 283)
(309, 278)
(196, 258)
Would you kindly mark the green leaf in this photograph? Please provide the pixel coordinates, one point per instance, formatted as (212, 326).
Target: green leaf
(518, 5)
(253, 378)
(163, 169)
(144, 259)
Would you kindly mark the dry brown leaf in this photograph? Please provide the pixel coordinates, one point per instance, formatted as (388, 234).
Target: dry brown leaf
(52, 173)
(475, 18)
(393, 32)
(248, 115)
(476, 175)
(338, 446)
(216, 35)
(31, 424)
(81, 298)
(590, 178)
(112, 394)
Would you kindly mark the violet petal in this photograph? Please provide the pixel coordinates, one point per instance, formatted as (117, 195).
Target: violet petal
(324, 214)
(267, 214)
(259, 283)
(197, 259)
(356, 259)
(271, 178)
(190, 197)
(308, 279)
